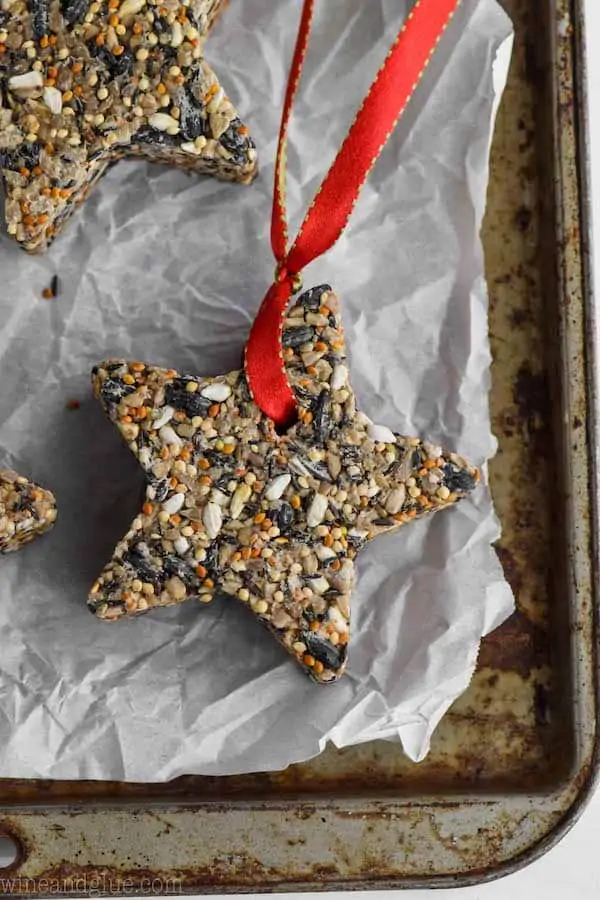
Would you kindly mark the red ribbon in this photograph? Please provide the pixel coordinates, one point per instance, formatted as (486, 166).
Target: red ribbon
(330, 211)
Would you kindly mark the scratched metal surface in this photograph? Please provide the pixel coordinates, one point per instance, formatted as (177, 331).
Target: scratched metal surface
(514, 760)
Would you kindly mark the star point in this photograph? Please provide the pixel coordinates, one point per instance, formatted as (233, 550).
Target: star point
(275, 520)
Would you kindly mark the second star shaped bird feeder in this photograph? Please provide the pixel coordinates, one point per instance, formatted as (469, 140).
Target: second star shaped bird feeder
(265, 483)
(84, 83)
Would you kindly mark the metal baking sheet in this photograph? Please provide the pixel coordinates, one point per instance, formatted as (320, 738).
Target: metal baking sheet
(514, 761)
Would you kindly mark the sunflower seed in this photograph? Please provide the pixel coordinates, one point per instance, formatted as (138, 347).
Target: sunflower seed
(165, 416)
(381, 434)
(395, 500)
(337, 620)
(217, 391)
(212, 519)
(26, 81)
(219, 497)
(339, 377)
(173, 503)
(181, 545)
(164, 122)
(320, 585)
(53, 99)
(169, 437)
(277, 486)
(334, 464)
(325, 553)
(240, 497)
(316, 510)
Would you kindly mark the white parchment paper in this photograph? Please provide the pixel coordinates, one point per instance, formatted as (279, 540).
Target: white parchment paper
(170, 269)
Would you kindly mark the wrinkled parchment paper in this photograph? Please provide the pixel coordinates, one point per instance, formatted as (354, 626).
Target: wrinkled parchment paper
(170, 269)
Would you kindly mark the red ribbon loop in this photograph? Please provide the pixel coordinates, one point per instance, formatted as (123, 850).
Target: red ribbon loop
(330, 211)
(265, 369)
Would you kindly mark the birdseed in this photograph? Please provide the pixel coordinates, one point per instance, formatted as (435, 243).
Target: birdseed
(274, 520)
(83, 84)
(26, 511)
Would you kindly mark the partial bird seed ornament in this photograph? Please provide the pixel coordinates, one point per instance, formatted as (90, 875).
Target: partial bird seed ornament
(264, 484)
(84, 83)
(26, 511)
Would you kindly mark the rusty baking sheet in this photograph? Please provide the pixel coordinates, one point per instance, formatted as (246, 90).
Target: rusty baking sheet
(515, 759)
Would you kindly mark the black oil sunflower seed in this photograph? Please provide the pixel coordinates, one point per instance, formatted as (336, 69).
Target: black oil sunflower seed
(243, 389)
(26, 154)
(160, 24)
(282, 516)
(74, 10)
(161, 488)
(295, 337)
(232, 140)
(120, 65)
(331, 657)
(221, 482)
(350, 454)
(211, 561)
(113, 595)
(312, 299)
(149, 135)
(142, 565)
(321, 411)
(192, 117)
(24, 503)
(175, 566)
(191, 403)
(217, 460)
(302, 395)
(116, 65)
(113, 391)
(317, 469)
(38, 9)
(457, 480)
